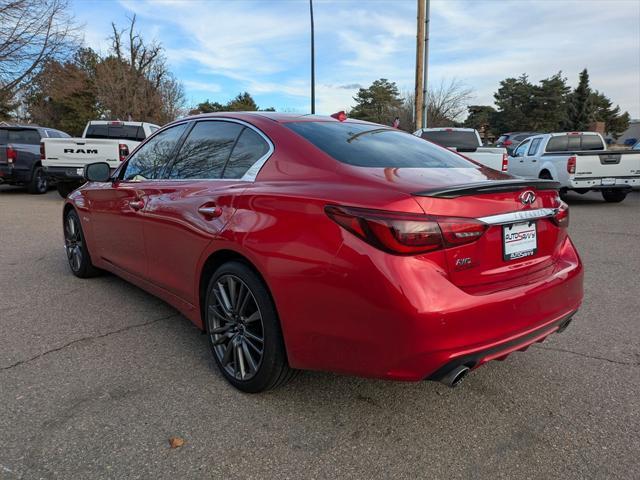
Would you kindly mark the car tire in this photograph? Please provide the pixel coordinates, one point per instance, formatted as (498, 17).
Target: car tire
(614, 196)
(244, 330)
(64, 189)
(38, 183)
(76, 247)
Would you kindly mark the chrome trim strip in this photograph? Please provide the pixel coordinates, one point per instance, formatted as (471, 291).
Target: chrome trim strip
(520, 216)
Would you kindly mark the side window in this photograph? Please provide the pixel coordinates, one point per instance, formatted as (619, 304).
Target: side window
(534, 146)
(522, 148)
(205, 151)
(249, 148)
(557, 144)
(147, 162)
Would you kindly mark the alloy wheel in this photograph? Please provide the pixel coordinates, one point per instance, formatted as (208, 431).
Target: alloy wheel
(73, 242)
(236, 327)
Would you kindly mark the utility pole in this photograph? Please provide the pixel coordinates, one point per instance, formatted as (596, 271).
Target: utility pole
(313, 63)
(425, 63)
(420, 76)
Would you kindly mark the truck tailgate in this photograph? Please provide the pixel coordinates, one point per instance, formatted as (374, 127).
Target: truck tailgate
(77, 152)
(608, 168)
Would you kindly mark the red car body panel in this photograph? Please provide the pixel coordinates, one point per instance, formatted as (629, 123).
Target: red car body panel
(344, 305)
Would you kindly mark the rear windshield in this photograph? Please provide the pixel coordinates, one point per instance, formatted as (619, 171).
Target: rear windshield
(124, 132)
(366, 145)
(27, 136)
(452, 138)
(569, 143)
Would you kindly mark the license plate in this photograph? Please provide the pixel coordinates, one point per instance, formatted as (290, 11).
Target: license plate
(519, 240)
(608, 181)
(80, 171)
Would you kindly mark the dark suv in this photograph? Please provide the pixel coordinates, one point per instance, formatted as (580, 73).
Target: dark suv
(512, 139)
(20, 155)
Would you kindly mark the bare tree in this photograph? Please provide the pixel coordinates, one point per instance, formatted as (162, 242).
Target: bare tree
(447, 102)
(32, 33)
(134, 81)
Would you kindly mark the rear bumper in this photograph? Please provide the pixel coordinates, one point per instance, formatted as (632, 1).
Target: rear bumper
(65, 174)
(596, 183)
(12, 175)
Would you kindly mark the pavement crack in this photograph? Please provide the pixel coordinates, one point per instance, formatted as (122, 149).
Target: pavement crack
(594, 357)
(84, 339)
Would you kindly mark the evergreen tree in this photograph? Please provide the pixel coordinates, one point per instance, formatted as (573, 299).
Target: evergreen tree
(615, 123)
(515, 101)
(379, 103)
(580, 108)
(549, 105)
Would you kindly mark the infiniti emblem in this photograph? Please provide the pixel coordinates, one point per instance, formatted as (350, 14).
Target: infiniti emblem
(527, 197)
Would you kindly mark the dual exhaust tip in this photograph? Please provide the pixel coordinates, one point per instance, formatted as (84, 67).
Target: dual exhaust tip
(455, 376)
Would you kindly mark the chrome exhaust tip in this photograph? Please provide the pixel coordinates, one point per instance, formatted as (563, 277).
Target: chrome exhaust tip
(455, 376)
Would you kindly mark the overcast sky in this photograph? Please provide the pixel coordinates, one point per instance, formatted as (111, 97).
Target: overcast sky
(218, 48)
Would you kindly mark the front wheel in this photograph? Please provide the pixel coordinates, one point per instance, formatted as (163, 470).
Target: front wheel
(244, 330)
(614, 196)
(76, 247)
(38, 183)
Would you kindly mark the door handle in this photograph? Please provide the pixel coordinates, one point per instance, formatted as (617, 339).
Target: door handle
(136, 204)
(210, 211)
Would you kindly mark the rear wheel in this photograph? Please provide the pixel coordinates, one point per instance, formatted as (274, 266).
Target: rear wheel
(614, 196)
(76, 247)
(244, 330)
(38, 183)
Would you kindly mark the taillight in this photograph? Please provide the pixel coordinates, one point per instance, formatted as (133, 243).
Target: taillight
(406, 233)
(506, 143)
(42, 151)
(505, 162)
(571, 164)
(123, 151)
(341, 116)
(12, 155)
(561, 218)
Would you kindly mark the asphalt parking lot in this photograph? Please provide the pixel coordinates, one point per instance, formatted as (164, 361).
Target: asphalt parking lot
(96, 376)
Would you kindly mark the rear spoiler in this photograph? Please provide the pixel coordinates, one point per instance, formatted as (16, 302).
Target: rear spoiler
(491, 186)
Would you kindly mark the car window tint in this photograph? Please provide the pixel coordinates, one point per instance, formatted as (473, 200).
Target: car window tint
(148, 161)
(591, 142)
(28, 136)
(249, 148)
(205, 151)
(452, 138)
(367, 145)
(534, 146)
(573, 142)
(557, 144)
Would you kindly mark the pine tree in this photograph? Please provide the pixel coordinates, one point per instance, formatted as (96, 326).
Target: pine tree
(580, 108)
(379, 103)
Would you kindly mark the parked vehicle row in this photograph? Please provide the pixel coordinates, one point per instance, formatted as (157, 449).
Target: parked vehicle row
(307, 242)
(108, 141)
(20, 156)
(580, 162)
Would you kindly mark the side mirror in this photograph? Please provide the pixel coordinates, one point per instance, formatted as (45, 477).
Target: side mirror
(97, 172)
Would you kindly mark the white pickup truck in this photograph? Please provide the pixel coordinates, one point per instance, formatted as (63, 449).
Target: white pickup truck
(467, 142)
(579, 161)
(64, 159)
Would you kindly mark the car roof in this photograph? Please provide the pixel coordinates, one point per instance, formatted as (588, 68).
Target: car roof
(275, 116)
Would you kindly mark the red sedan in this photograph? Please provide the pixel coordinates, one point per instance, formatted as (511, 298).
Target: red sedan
(306, 242)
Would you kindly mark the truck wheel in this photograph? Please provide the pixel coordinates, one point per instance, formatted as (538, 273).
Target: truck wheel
(38, 183)
(614, 196)
(64, 189)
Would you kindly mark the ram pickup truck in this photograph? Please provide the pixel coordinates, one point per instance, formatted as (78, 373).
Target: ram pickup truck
(579, 161)
(466, 141)
(101, 141)
(20, 162)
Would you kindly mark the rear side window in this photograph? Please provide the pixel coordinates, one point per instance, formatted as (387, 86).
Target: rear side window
(249, 148)
(534, 146)
(27, 136)
(123, 132)
(557, 144)
(364, 145)
(452, 138)
(205, 151)
(148, 161)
